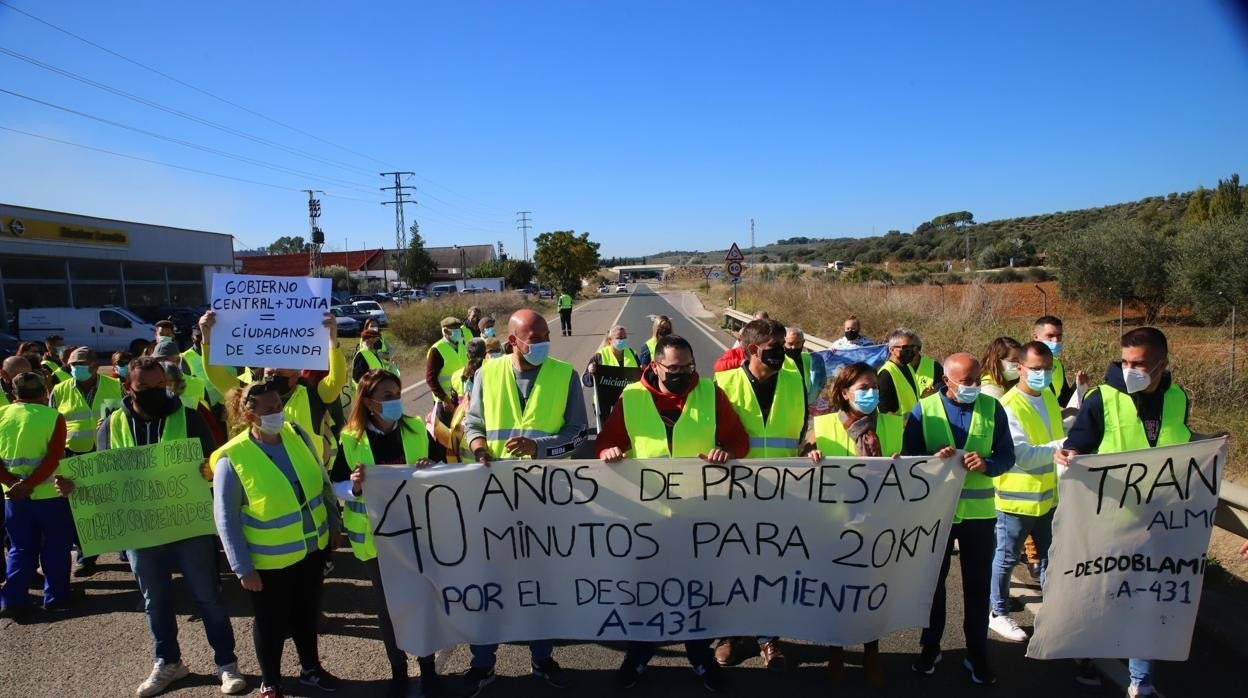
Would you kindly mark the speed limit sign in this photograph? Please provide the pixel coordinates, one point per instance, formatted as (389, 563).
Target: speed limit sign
(734, 268)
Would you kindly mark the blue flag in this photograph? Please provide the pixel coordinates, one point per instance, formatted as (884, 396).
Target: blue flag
(835, 359)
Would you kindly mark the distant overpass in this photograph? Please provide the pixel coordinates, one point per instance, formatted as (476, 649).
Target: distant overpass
(643, 271)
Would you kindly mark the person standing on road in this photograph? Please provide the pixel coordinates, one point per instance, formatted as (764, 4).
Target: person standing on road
(1000, 367)
(472, 323)
(852, 336)
(899, 392)
(1048, 329)
(962, 418)
(38, 522)
(272, 506)
(378, 433)
(82, 402)
(856, 429)
(660, 328)
(11, 368)
(813, 369)
(768, 394)
(613, 352)
(150, 415)
(1027, 492)
(565, 313)
(672, 412)
(527, 406)
(444, 358)
(371, 356)
(1138, 406)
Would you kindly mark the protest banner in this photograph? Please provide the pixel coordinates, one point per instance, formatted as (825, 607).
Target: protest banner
(1128, 556)
(660, 550)
(270, 321)
(609, 382)
(126, 498)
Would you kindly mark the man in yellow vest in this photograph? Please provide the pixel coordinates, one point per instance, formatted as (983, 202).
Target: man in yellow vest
(194, 389)
(10, 368)
(928, 375)
(1137, 407)
(525, 406)
(472, 323)
(38, 522)
(672, 412)
(444, 357)
(565, 313)
(962, 419)
(150, 415)
(768, 394)
(1027, 492)
(899, 391)
(1048, 329)
(83, 401)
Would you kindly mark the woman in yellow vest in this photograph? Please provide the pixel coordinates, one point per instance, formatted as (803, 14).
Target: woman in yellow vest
(614, 351)
(661, 328)
(372, 355)
(378, 433)
(1000, 367)
(272, 504)
(856, 429)
(450, 436)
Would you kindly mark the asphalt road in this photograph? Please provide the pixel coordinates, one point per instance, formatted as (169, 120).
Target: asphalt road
(102, 648)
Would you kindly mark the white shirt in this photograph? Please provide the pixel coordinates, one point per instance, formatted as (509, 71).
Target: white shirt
(843, 343)
(1028, 457)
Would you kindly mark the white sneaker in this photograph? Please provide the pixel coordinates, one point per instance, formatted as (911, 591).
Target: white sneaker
(1007, 628)
(162, 675)
(231, 680)
(1133, 691)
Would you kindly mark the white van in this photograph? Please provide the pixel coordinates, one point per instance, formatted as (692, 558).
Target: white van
(105, 330)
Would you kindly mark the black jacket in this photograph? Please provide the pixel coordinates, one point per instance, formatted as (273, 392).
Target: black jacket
(1089, 428)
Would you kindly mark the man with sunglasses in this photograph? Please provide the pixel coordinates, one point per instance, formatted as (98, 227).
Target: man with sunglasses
(672, 413)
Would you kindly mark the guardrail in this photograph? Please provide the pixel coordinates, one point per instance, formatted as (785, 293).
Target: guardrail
(1232, 512)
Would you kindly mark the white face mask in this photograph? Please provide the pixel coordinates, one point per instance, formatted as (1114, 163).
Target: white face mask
(1009, 370)
(272, 423)
(1136, 379)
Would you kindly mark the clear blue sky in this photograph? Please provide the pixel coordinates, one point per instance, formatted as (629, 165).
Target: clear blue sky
(652, 125)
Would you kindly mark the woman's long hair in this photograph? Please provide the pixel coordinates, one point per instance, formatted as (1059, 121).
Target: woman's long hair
(991, 363)
(360, 414)
(846, 377)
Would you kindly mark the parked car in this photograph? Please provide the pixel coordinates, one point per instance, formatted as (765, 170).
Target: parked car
(603, 289)
(374, 309)
(443, 289)
(349, 310)
(105, 330)
(347, 326)
(545, 293)
(361, 297)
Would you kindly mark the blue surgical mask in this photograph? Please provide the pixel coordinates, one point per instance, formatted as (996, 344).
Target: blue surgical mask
(538, 351)
(468, 387)
(1039, 380)
(80, 372)
(966, 394)
(1055, 347)
(620, 344)
(865, 401)
(457, 335)
(487, 332)
(122, 371)
(391, 410)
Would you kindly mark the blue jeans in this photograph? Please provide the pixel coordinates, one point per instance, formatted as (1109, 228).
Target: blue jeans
(41, 532)
(1141, 671)
(195, 558)
(1012, 531)
(483, 655)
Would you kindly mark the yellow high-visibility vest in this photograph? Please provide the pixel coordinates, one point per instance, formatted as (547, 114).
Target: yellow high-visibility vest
(120, 435)
(542, 414)
(607, 357)
(833, 440)
(1124, 431)
(693, 434)
(81, 418)
(358, 451)
(1030, 494)
(25, 432)
(977, 500)
(778, 436)
(906, 397)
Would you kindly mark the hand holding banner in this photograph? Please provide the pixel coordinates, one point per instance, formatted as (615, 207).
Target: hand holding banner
(270, 321)
(127, 498)
(1128, 556)
(841, 552)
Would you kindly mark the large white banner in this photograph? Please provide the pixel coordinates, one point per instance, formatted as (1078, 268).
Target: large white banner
(842, 552)
(270, 321)
(1128, 556)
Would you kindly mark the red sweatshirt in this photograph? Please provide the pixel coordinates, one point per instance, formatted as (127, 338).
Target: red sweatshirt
(730, 359)
(729, 434)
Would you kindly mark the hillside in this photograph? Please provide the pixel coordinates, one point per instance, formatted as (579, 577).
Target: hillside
(1025, 238)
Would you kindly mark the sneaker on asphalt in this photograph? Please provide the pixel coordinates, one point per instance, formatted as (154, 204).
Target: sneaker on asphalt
(319, 678)
(712, 678)
(628, 673)
(1086, 673)
(927, 660)
(1006, 627)
(271, 692)
(477, 679)
(162, 676)
(980, 673)
(232, 680)
(549, 671)
(1135, 690)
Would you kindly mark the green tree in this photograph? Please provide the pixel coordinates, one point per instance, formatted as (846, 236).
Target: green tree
(1227, 201)
(564, 258)
(340, 275)
(417, 266)
(1197, 207)
(288, 244)
(1211, 267)
(1114, 259)
(516, 273)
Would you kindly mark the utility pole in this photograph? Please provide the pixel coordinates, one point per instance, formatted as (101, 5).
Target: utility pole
(315, 236)
(523, 224)
(751, 232)
(400, 227)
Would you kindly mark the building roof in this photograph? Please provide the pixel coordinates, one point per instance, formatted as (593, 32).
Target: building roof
(297, 264)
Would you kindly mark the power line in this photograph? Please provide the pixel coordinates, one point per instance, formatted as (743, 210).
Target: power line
(187, 84)
(523, 224)
(400, 200)
(188, 144)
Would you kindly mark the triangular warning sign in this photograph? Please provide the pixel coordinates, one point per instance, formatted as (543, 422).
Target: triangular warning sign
(734, 254)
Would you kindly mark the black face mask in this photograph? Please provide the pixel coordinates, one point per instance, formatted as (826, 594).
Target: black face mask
(773, 357)
(906, 355)
(851, 335)
(678, 383)
(151, 401)
(795, 354)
